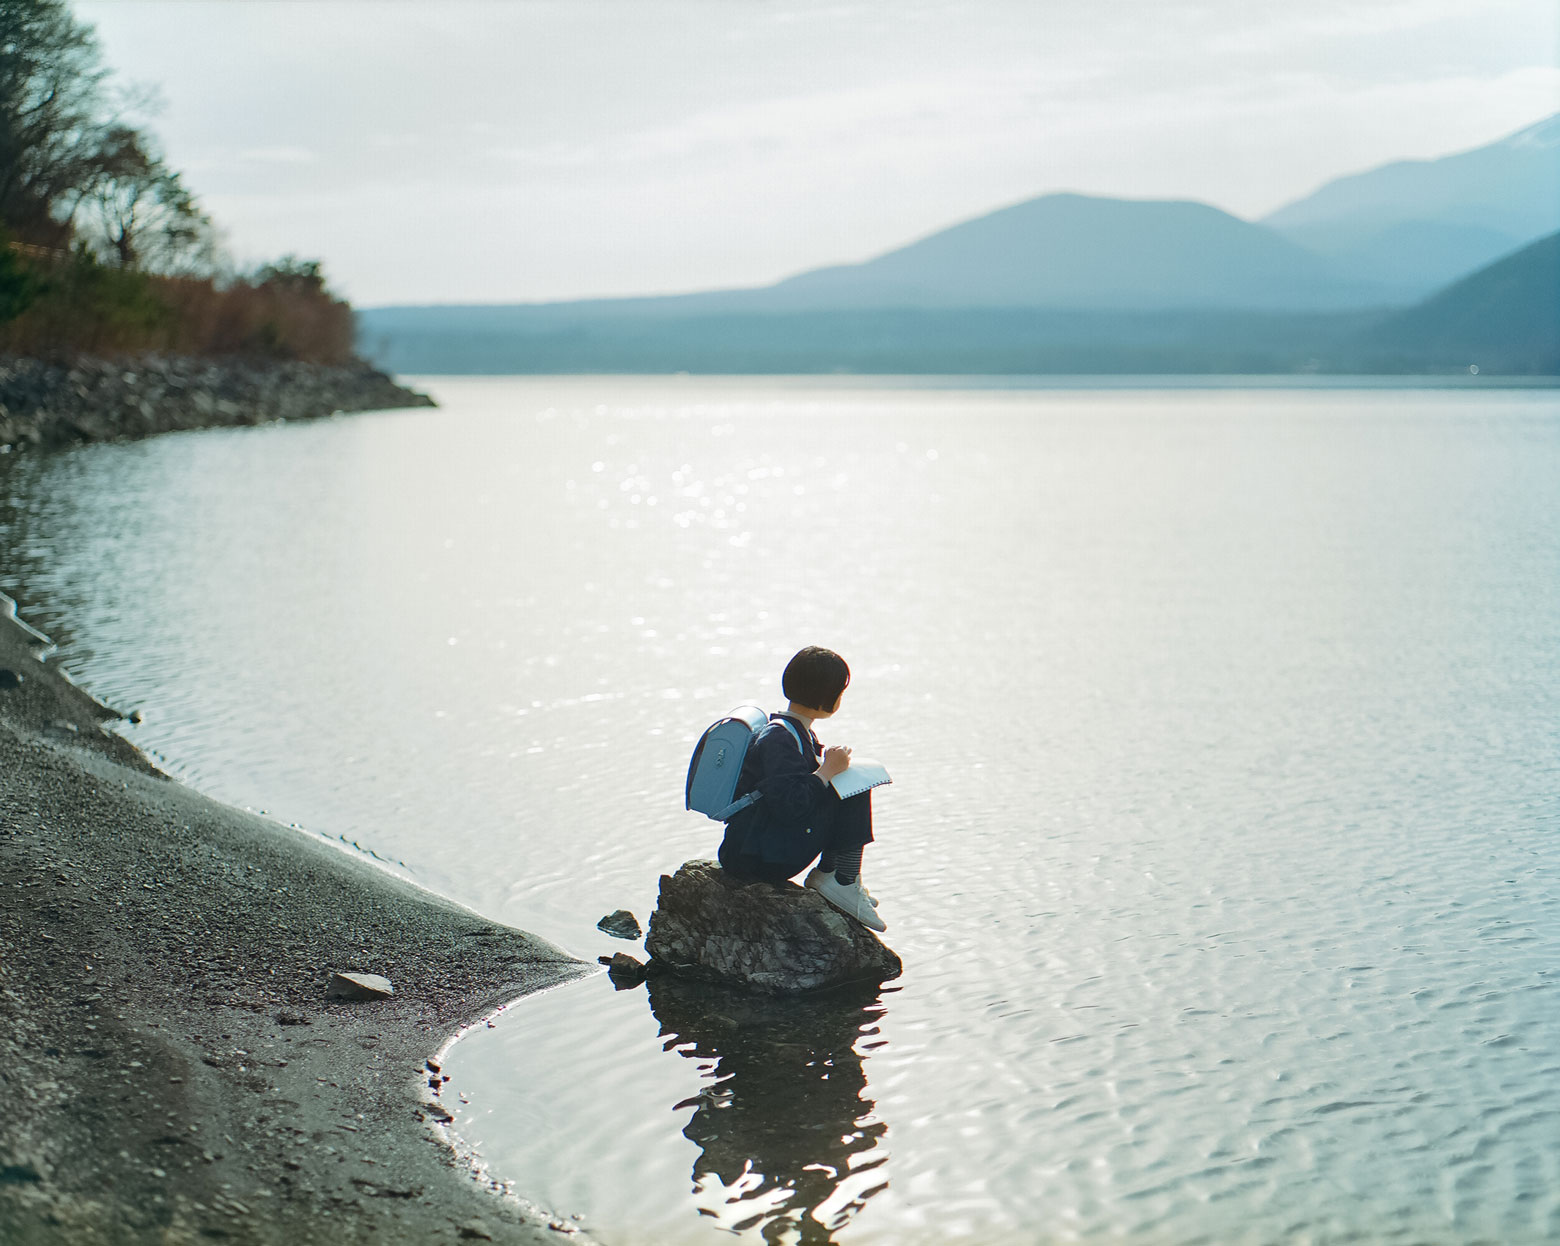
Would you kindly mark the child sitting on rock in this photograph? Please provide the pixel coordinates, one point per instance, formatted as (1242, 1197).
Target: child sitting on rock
(801, 818)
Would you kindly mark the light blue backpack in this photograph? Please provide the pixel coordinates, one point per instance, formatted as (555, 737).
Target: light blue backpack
(717, 762)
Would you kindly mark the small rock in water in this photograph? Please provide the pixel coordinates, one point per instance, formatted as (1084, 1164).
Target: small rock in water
(358, 986)
(620, 925)
(476, 1229)
(625, 971)
(10, 679)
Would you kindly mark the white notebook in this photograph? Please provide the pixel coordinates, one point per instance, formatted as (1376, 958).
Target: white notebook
(859, 776)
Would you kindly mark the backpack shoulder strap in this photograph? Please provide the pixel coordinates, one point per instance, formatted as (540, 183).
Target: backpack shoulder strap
(795, 734)
(736, 807)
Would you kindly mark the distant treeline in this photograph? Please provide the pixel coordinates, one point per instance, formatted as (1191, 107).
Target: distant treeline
(997, 341)
(103, 250)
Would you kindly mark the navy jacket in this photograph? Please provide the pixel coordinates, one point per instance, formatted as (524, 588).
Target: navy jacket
(778, 829)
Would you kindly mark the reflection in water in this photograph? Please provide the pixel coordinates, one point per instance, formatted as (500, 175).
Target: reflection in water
(791, 1144)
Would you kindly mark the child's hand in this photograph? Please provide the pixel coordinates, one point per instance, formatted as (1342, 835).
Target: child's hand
(835, 759)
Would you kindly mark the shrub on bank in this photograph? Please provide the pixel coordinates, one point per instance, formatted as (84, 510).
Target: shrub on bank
(18, 285)
(65, 303)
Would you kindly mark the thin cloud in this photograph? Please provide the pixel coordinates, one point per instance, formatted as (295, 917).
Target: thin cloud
(279, 155)
(548, 150)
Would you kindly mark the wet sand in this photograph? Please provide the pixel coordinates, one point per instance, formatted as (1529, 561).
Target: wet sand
(171, 1069)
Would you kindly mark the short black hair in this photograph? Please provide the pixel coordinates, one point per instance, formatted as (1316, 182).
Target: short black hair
(815, 678)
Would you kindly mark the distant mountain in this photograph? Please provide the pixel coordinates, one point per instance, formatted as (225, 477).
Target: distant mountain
(1504, 319)
(1079, 251)
(1415, 225)
(1073, 283)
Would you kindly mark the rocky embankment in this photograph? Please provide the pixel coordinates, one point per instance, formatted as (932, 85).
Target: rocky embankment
(54, 403)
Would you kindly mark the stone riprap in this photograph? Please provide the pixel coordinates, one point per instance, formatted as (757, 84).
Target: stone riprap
(780, 940)
(58, 403)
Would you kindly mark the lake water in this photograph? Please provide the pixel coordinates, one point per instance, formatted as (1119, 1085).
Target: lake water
(1225, 726)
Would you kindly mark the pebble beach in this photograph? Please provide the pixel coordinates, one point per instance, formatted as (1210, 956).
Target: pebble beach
(172, 1068)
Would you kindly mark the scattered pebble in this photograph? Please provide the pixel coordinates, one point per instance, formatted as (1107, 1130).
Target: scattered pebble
(358, 986)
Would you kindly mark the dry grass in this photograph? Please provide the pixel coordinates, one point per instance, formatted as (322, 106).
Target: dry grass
(85, 307)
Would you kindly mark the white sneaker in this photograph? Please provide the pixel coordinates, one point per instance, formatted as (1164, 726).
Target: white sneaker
(851, 899)
(819, 871)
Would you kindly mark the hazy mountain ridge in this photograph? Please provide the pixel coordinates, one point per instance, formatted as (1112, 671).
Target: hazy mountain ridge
(1076, 283)
(1502, 319)
(1511, 186)
(1070, 250)
(1418, 224)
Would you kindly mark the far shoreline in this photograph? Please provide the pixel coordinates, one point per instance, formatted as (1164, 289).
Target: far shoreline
(1104, 381)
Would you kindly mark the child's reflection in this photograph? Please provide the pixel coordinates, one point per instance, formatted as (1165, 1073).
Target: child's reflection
(790, 1143)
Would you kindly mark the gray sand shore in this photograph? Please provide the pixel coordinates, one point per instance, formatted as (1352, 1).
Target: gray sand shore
(171, 1070)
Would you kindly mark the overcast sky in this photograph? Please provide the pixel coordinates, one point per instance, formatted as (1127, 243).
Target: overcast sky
(519, 150)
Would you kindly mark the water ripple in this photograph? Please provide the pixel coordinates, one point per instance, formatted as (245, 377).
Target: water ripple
(1222, 852)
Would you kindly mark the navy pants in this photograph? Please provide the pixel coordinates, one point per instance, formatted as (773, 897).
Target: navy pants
(840, 825)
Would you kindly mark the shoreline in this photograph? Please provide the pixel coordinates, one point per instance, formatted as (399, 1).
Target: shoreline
(52, 403)
(171, 1068)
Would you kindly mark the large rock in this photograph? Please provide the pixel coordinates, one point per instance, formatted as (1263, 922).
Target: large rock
(776, 939)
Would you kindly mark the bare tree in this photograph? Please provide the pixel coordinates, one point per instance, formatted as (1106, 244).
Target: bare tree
(73, 164)
(51, 110)
(138, 213)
